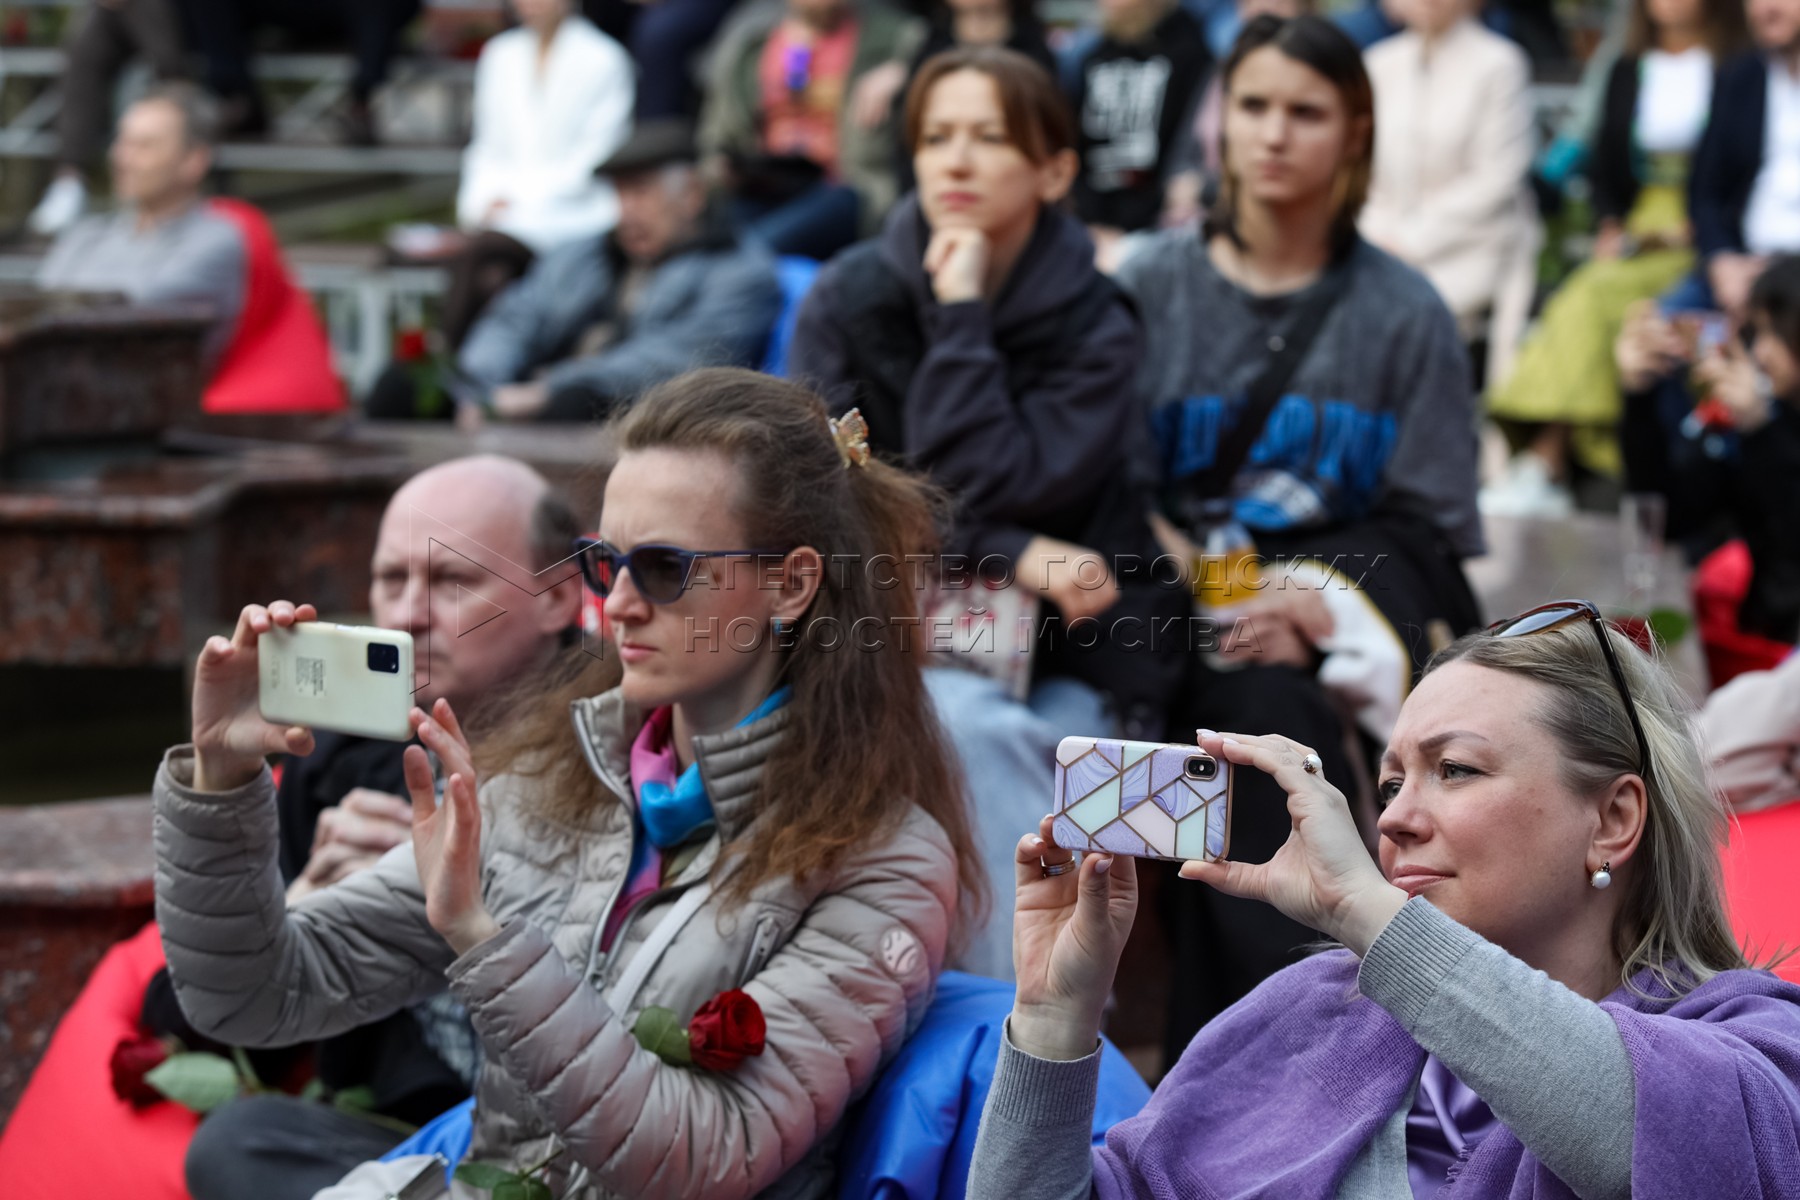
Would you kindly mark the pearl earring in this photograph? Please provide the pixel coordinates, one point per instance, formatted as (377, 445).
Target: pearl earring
(1602, 879)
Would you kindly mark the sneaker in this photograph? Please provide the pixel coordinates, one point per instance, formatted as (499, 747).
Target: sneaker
(1526, 491)
(63, 203)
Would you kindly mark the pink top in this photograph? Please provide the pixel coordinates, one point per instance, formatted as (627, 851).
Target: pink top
(805, 83)
(652, 760)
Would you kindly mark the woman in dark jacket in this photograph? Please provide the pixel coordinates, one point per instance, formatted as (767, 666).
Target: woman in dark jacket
(981, 344)
(1732, 465)
(984, 348)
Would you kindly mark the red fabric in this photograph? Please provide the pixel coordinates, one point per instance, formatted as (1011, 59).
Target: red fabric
(71, 1138)
(279, 360)
(1759, 884)
(1720, 584)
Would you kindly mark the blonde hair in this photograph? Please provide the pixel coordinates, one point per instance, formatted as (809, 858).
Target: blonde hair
(1672, 922)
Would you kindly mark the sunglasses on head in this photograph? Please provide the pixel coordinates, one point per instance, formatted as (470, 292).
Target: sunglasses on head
(1559, 615)
(661, 573)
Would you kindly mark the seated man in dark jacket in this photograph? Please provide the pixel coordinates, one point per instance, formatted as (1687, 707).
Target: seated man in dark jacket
(454, 531)
(601, 320)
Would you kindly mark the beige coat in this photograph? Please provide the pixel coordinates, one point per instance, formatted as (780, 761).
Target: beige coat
(843, 970)
(1449, 194)
(1751, 730)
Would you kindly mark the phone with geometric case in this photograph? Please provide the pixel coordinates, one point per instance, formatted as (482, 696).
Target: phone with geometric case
(1145, 799)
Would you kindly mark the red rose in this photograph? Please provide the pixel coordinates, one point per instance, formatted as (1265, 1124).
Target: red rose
(132, 1059)
(728, 1029)
(410, 345)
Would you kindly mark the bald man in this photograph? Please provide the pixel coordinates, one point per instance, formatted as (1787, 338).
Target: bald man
(470, 560)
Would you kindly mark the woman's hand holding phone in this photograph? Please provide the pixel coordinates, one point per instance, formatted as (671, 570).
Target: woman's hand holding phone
(1068, 933)
(1322, 876)
(447, 833)
(231, 738)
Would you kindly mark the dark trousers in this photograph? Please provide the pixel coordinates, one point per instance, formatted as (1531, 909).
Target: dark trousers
(104, 40)
(222, 31)
(480, 272)
(1223, 946)
(279, 1148)
(815, 224)
(395, 397)
(664, 38)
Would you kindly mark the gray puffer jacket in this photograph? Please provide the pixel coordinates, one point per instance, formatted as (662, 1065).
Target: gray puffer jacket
(842, 967)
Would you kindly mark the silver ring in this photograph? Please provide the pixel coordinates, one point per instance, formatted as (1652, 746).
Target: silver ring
(1051, 870)
(1311, 764)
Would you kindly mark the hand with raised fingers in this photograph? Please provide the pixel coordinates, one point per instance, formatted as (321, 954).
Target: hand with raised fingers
(1322, 876)
(1069, 928)
(447, 834)
(231, 739)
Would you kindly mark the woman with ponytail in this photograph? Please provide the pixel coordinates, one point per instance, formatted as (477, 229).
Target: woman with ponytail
(739, 817)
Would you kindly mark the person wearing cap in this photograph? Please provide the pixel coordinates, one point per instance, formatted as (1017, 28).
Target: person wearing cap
(553, 98)
(598, 321)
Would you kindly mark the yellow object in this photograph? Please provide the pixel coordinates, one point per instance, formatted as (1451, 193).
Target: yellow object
(1227, 571)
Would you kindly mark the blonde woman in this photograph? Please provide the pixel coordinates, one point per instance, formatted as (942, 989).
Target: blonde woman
(1537, 992)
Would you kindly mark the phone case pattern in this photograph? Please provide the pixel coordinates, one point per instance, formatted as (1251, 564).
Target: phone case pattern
(1135, 798)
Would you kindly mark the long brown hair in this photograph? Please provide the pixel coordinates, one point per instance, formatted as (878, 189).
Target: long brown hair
(1721, 22)
(862, 740)
(1038, 121)
(1319, 44)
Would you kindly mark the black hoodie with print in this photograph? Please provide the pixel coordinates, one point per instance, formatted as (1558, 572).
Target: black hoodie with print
(1135, 104)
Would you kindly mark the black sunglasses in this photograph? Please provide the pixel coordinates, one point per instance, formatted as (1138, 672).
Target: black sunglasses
(1556, 616)
(661, 573)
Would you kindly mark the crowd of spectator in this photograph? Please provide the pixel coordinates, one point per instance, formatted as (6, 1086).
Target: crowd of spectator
(1201, 289)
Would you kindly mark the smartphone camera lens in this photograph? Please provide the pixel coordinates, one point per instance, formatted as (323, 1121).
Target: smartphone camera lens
(1202, 768)
(384, 658)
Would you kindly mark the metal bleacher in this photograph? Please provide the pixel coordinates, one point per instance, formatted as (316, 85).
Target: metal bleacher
(296, 145)
(422, 113)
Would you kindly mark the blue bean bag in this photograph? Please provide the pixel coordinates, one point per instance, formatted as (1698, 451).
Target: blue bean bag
(912, 1137)
(796, 275)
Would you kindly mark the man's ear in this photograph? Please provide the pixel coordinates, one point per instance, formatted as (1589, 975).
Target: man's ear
(195, 165)
(559, 606)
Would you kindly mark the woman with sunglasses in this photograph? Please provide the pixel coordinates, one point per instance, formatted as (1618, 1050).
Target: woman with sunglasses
(745, 790)
(1535, 993)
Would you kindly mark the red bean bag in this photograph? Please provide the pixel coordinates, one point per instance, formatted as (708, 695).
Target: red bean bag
(1721, 582)
(71, 1138)
(1759, 884)
(279, 360)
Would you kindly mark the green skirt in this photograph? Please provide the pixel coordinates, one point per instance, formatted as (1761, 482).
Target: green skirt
(1564, 372)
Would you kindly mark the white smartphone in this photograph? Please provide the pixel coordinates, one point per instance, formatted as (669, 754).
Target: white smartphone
(348, 678)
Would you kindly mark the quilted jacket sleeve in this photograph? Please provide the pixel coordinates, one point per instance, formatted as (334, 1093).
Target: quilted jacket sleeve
(840, 996)
(248, 970)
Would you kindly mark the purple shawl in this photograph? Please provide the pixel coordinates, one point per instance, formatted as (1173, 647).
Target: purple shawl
(1279, 1095)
